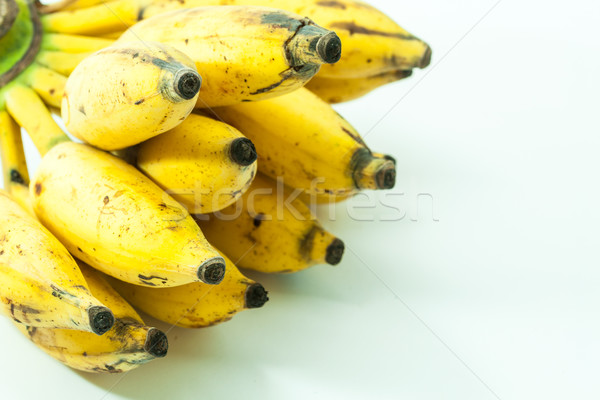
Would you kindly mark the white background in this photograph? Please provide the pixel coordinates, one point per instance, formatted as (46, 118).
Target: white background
(498, 299)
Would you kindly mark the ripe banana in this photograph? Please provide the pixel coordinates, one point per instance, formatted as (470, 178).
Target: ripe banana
(129, 92)
(204, 164)
(73, 43)
(334, 90)
(48, 84)
(60, 61)
(270, 230)
(41, 284)
(373, 43)
(111, 216)
(244, 53)
(301, 139)
(197, 305)
(126, 346)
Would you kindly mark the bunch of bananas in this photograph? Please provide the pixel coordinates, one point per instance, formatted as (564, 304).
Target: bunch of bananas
(205, 125)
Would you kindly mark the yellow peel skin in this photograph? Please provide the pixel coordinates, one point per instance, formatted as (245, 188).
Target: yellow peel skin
(204, 164)
(197, 305)
(301, 139)
(270, 230)
(127, 93)
(126, 346)
(41, 285)
(111, 216)
(243, 53)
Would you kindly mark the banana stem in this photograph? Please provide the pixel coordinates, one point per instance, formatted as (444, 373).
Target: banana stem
(372, 172)
(8, 13)
(314, 45)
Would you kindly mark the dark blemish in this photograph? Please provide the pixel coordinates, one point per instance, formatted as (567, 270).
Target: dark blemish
(15, 176)
(85, 354)
(360, 160)
(82, 110)
(307, 242)
(353, 28)
(269, 88)
(354, 136)
(80, 286)
(332, 4)
(258, 219)
(280, 20)
(79, 249)
(109, 367)
(51, 91)
(134, 56)
(38, 188)
(149, 278)
(1, 252)
(106, 200)
(186, 41)
(137, 103)
(369, 61)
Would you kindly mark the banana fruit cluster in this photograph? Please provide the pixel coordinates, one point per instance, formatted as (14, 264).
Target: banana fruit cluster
(205, 133)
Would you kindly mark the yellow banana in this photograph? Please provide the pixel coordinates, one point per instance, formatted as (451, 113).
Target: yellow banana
(126, 346)
(339, 90)
(243, 53)
(62, 62)
(270, 230)
(41, 284)
(373, 43)
(111, 216)
(47, 83)
(129, 92)
(73, 43)
(197, 305)
(204, 164)
(301, 139)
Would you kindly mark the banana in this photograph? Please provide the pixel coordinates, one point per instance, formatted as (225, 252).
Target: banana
(197, 305)
(41, 283)
(62, 62)
(112, 217)
(270, 230)
(73, 43)
(128, 93)
(126, 346)
(244, 53)
(204, 164)
(334, 90)
(301, 139)
(48, 84)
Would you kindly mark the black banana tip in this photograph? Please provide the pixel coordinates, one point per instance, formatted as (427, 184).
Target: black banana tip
(212, 272)
(256, 296)
(243, 152)
(157, 343)
(389, 158)
(426, 60)
(101, 319)
(335, 252)
(386, 177)
(8, 14)
(187, 83)
(329, 48)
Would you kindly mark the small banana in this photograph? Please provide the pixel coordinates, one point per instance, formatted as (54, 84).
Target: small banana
(14, 165)
(197, 305)
(270, 230)
(244, 53)
(73, 43)
(47, 83)
(339, 90)
(301, 139)
(126, 346)
(111, 216)
(41, 284)
(129, 92)
(204, 164)
(60, 61)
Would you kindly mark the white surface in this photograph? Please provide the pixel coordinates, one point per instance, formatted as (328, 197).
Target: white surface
(500, 295)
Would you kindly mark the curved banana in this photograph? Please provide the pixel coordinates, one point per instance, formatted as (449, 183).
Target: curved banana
(204, 164)
(62, 62)
(197, 305)
(129, 92)
(73, 43)
(301, 139)
(47, 83)
(334, 90)
(126, 346)
(41, 284)
(243, 53)
(270, 230)
(111, 216)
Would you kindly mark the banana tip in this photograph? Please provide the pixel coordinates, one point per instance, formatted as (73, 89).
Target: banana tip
(101, 319)
(426, 60)
(187, 83)
(156, 343)
(212, 272)
(256, 296)
(386, 177)
(243, 152)
(335, 252)
(329, 48)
